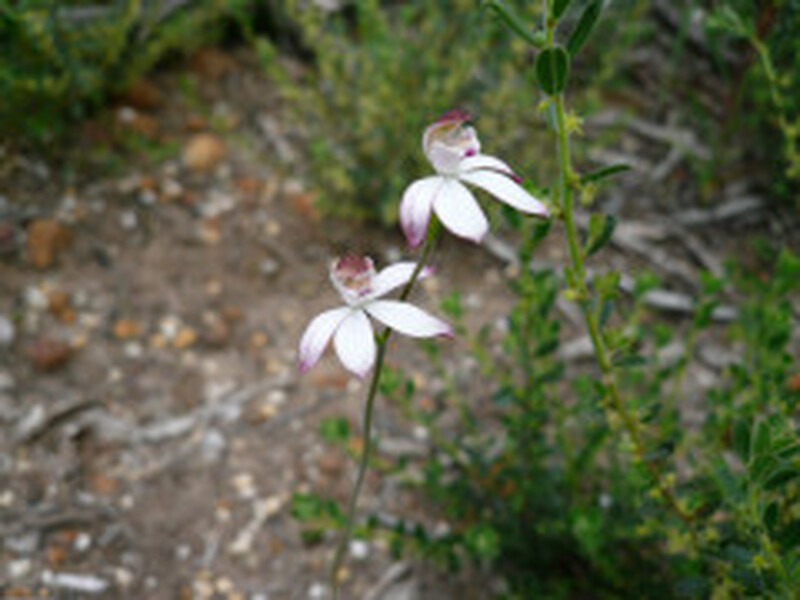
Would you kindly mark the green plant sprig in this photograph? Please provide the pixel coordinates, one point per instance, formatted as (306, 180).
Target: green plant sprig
(553, 79)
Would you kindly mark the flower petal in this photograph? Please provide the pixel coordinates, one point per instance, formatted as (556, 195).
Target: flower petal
(459, 212)
(317, 335)
(415, 208)
(444, 159)
(505, 190)
(484, 161)
(407, 318)
(394, 276)
(355, 343)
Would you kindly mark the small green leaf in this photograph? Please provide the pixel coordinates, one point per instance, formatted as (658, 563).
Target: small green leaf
(601, 228)
(584, 27)
(741, 439)
(771, 516)
(552, 67)
(763, 467)
(483, 541)
(760, 439)
(603, 173)
(559, 6)
(780, 476)
(307, 506)
(630, 361)
(334, 429)
(515, 23)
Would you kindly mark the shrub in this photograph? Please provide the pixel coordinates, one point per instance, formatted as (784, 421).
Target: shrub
(548, 491)
(59, 59)
(380, 73)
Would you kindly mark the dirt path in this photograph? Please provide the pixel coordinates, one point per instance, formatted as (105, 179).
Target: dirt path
(154, 424)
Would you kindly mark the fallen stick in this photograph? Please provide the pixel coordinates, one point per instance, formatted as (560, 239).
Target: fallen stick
(665, 300)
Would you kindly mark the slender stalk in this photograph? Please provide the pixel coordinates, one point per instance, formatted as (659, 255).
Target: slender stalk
(613, 398)
(366, 452)
(630, 423)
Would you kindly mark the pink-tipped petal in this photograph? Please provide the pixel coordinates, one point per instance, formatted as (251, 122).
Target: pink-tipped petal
(459, 212)
(505, 190)
(415, 208)
(394, 276)
(317, 335)
(407, 318)
(484, 161)
(354, 342)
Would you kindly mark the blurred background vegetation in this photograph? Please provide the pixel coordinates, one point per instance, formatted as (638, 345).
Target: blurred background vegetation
(359, 76)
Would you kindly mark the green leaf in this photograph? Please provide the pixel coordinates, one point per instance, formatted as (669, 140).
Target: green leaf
(307, 506)
(552, 67)
(334, 429)
(728, 484)
(771, 516)
(763, 467)
(603, 173)
(559, 6)
(760, 439)
(513, 21)
(629, 361)
(741, 439)
(601, 228)
(584, 27)
(780, 476)
(483, 541)
(787, 272)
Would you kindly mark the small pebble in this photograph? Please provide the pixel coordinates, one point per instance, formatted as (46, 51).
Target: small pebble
(183, 552)
(359, 549)
(269, 267)
(133, 350)
(19, 568)
(317, 591)
(203, 589)
(123, 577)
(6, 382)
(169, 327)
(36, 298)
(223, 585)
(245, 485)
(83, 542)
(7, 331)
(128, 220)
(147, 197)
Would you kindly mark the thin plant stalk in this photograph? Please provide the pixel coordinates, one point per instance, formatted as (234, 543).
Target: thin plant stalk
(366, 452)
(614, 399)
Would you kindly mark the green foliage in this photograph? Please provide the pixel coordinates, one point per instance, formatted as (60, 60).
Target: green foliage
(585, 25)
(552, 67)
(59, 59)
(549, 492)
(771, 90)
(381, 73)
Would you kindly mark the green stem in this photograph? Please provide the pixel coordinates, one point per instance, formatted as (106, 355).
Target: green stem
(613, 397)
(366, 452)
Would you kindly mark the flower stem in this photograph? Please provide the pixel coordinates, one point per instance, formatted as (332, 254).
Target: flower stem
(366, 452)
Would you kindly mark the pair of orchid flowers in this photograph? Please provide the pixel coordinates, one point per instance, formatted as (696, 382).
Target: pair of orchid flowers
(453, 149)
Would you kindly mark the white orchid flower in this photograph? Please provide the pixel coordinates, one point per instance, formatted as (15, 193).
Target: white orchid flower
(453, 148)
(355, 279)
